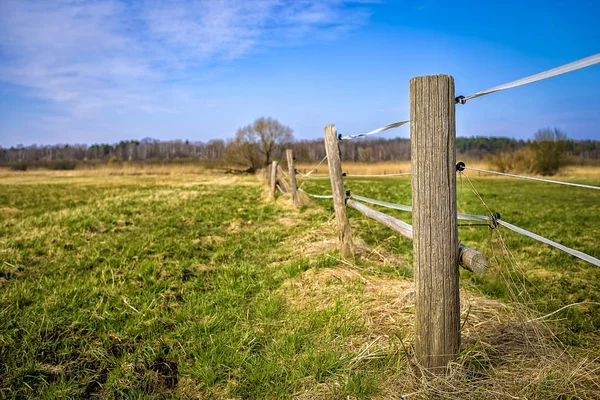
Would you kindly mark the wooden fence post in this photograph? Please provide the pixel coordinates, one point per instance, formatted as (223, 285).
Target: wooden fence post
(337, 188)
(435, 246)
(273, 181)
(292, 172)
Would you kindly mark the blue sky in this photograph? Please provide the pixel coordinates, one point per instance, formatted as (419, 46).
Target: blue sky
(74, 71)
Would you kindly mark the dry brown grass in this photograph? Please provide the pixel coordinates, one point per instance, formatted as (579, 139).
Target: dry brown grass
(91, 178)
(395, 167)
(503, 356)
(578, 171)
(504, 353)
(387, 167)
(360, 168)
(120, 169)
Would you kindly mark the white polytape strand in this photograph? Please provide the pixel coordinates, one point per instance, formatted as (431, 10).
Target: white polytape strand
(378, 130)
(563, 69)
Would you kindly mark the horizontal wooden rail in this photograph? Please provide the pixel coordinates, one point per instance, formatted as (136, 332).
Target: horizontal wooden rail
(470, 259)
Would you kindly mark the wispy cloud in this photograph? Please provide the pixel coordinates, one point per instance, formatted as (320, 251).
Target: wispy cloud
(85, 56)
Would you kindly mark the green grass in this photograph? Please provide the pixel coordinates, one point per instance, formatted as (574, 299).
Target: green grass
(135, 288)
(568, 215)
(176, 287)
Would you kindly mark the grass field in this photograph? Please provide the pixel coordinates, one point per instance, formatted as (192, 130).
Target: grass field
(196, 286)
(568, 215)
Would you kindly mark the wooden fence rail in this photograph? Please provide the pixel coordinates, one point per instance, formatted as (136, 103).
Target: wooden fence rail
(470, 259)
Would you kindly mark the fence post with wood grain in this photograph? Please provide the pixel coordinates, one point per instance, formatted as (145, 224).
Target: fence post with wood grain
(292, 173)
(337, 188)
(273, 180)
(435, 230)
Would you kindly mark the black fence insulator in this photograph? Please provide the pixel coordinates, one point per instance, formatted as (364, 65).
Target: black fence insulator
(495, 217)
(460, 166)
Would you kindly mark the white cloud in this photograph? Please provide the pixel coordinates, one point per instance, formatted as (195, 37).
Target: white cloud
(84, 56)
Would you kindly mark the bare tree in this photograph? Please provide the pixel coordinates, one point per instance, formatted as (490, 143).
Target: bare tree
(272, 135)
(550, 135)
(243, 150)
(255, 145)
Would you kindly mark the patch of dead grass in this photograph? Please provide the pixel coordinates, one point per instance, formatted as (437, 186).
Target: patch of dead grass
(321, 239)
(9, 210)
(395, 167)
(504, 355)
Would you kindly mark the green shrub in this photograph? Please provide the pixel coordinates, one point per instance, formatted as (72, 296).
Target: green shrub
(545, 155)
(61, 165)
(549, 148)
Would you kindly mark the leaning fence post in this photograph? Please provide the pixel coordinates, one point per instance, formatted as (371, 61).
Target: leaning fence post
(337, 188)
(273, 181)
(292, 172)
(435, 246)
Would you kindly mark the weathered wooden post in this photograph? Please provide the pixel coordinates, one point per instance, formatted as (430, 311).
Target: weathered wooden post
(337, 188)
(273, 181)
(435, 246)
(292, 172)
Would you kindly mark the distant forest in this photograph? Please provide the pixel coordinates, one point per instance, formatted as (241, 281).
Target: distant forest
(364, 150)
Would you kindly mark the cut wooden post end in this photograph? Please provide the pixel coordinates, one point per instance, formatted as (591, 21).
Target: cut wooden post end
(473, 260)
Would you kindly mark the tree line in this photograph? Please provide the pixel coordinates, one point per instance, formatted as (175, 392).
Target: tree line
(257, 144)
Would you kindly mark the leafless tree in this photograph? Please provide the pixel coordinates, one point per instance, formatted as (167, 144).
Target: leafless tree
(255, 145)
(272, 135)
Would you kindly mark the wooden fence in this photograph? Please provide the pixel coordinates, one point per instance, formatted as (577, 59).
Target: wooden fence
(436, 250)
(437, 253)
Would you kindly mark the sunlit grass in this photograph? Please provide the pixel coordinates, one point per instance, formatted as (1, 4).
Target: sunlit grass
(568, 215)
(195, 286)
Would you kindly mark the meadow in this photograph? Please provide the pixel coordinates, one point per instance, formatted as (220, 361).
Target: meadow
(185, 285)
